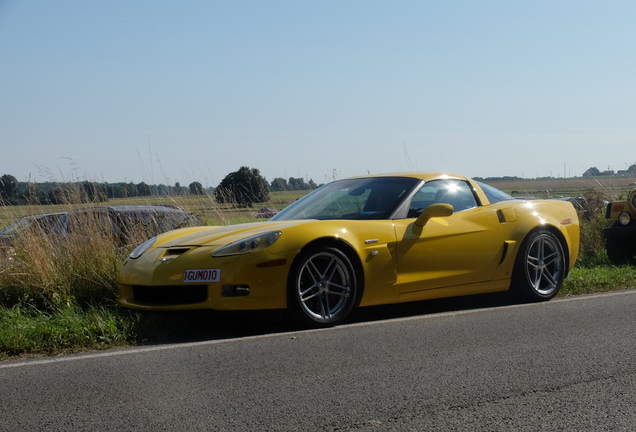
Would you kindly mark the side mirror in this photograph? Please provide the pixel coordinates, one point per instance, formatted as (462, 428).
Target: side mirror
(434, 210)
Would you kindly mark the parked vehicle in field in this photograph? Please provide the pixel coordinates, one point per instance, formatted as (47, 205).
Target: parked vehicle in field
(361, 241)
(34, 226)
(124, 224)
(620, 238)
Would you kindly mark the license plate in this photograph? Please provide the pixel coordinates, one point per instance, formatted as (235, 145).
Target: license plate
(202, 275)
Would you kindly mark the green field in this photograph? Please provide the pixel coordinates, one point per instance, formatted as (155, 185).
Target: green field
(611, 187)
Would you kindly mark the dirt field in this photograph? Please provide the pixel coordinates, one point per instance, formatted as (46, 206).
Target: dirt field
(556, 188)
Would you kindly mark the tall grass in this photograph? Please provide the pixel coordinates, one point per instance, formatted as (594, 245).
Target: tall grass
(592, 219)
(47, 272)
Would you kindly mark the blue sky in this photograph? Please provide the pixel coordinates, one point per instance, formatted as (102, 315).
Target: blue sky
(167, 91)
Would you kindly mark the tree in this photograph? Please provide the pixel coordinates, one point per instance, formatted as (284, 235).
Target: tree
(196, 188)
(8, 189)
(91, 192)
(143, 189)
(297, 184)
(279, 184)
(632, 169)
(243, 188)
(57, 196)
(177, 189)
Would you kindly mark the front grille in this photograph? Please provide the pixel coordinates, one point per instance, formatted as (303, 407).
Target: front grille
(170, 295)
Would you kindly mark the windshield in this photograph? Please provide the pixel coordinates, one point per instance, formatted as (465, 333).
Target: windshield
(31, 223)
(363, 198)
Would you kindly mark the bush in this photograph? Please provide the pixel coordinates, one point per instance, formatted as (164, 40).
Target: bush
(592, 219)
(243, 188)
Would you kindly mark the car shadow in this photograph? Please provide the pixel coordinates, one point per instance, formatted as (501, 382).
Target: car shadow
(431, 307)
(151, 328)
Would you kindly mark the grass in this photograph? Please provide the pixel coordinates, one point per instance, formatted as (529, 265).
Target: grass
(29, 330)
(610, 186)
(61, 297)
(601, 278)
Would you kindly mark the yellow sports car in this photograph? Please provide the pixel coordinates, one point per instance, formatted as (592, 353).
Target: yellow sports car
(361, 241)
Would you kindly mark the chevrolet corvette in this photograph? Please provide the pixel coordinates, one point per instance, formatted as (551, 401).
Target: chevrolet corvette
(358, 242)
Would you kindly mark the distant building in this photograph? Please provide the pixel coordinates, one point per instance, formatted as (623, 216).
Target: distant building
(595, 172)
(592, 172)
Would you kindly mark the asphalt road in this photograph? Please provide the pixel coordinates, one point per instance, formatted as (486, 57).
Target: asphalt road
(568, 364)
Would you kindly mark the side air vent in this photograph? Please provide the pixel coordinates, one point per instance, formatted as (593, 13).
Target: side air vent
(504, 252)
(507, 215)
(500, 215)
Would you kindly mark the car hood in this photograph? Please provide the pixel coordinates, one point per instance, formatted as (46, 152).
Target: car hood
(221, 235)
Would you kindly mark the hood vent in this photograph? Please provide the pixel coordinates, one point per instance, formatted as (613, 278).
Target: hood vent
(176, 251)
(172, 253)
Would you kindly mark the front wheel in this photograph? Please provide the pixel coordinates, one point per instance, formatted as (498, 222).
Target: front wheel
(323, 287)
(540, 267)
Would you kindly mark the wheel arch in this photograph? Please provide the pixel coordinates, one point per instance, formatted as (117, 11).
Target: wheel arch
(562, 240)
(558, 234)
(342, 245)
(522, 287)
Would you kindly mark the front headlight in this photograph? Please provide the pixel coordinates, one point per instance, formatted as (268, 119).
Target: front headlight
(139, 250)
(634, 201)
(249, 244)
(624, 218)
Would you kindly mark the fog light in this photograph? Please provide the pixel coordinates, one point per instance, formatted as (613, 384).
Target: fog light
(624, 218)
(235, 290)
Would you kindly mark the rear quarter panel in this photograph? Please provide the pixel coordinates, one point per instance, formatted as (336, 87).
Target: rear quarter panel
(560, 216)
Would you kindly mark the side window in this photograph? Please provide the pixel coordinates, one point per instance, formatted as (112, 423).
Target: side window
(457, 193)
(138, 223)
(91, 223)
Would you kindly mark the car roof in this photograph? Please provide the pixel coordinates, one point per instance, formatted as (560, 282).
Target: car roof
(131, 208)
(41, 215)
(418, 175)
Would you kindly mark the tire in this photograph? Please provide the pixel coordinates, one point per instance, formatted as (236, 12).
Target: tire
(619, 251)
(540, 267)
(323, 287)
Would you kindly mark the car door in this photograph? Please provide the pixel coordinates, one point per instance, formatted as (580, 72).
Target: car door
(463, 248)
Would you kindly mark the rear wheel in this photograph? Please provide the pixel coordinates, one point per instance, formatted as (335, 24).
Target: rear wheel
(323, 287)
(540, 267)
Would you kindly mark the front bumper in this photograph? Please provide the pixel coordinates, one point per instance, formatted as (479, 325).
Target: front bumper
(627, 232)
(247, 282)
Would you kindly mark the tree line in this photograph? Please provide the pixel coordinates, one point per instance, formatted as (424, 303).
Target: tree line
(243, 187)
